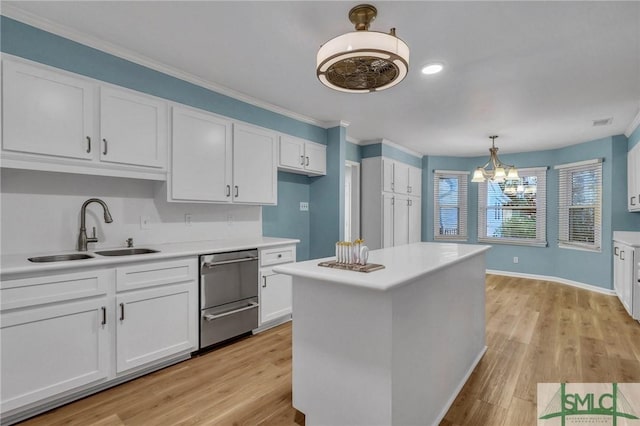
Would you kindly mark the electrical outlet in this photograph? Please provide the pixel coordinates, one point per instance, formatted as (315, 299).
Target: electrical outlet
(145, 222)
(515, 259)
(187, 219)
(304, 207)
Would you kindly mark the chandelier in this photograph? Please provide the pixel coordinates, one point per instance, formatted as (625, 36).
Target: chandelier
(495, 170)
(363, 61)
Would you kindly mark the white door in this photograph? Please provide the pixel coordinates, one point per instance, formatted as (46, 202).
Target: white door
(46, 112)
(53, 349)
(201, 153)
(387, 220)
(291, 153)
(275, 295)
(626, 257)
(617, 271)
(133, 128)
(387, 175)
(255, 177)
(415, 182)
(316, 158)
(401, 178)
(415, 220)
(633, 178)
(400, 221)
(154, 323)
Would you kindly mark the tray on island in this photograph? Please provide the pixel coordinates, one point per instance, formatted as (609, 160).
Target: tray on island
(369, 267)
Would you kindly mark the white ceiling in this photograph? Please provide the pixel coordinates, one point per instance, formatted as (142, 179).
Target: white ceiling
(535, 73)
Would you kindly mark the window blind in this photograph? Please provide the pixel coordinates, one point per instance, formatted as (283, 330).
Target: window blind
(514, 212)
(450, 205)
(580, 205)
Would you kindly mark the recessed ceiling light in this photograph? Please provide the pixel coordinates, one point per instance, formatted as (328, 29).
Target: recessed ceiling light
(434, 68)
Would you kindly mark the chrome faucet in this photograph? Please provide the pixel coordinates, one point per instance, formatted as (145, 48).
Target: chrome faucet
(82, 238)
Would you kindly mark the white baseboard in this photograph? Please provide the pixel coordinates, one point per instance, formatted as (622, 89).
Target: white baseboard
(583, 286)
(455, 393)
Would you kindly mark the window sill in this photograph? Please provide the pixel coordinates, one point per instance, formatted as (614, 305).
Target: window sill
(452, 239)
(580, 248)
(512, 242)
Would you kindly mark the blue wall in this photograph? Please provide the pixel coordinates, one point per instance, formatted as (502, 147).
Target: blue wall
(634, 138)
(284, 220)
(353, 152)
(381, 149)
(582, 266)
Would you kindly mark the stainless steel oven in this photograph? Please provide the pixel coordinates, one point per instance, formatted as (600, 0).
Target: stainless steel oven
(228, 295)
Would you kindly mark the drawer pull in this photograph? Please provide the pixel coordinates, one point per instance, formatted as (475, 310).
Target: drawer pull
(210, 317)
(122, 312)
(88, 144)
(105, 147)
(104, 315)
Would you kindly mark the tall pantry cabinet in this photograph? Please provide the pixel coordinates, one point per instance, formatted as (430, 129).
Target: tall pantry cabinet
(391, 202)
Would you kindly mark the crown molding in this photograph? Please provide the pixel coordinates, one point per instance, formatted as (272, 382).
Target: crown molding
(339, 123)
(394, 145)
(47, 25)
(353, 140)
(633, 125)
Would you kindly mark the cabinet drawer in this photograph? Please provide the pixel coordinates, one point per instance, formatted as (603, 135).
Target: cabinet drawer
(54, 288)
(277, 255)
(157, 273)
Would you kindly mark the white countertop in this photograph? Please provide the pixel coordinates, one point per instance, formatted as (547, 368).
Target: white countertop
(402, 265)
(18, 263)
(626, 237)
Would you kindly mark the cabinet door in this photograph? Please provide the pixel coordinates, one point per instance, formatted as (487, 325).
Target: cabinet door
(46, 112)
(275, 295)
(400, 178)
(633, 179)
(291, 153)
(316, 158)
(415, 182)
(400, 221)
(617, 271)
(626, 257)
(415, 220)
(387, 175)
(133, 128)
(200, 157)
(387, 220)
(54, 349)
(255, 177)
(155, 323)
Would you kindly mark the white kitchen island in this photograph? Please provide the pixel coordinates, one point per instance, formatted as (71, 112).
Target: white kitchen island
(390, 347)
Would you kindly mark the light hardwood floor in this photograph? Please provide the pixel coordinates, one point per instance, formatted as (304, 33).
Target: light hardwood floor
(537, 331)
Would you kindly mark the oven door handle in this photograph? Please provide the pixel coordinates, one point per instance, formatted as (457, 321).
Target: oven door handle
(226, 262)
(210, 317)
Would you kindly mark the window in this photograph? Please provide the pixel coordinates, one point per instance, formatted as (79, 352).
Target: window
(579, 202)
(514, 212)
(450, 201)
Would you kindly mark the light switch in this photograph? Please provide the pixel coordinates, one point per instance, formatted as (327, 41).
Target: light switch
(304, 207)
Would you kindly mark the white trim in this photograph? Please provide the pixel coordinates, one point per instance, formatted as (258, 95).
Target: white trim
(458, 388)
(592, 249)
(579, 163)
(633, 125)
(339, 123)
(353, 140)
(44, 24)
(451, 172)
(387, 142)
(558, 280)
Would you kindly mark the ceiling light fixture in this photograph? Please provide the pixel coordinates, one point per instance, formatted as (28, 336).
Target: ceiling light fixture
(363, 61)
(498, 172)
(434, 68)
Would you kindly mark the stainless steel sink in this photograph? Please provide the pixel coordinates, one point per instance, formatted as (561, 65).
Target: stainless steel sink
(60, 257)
(126, 252)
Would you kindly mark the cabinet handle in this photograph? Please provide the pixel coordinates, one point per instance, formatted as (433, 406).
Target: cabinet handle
(105, 147)
(307, 161)
(302, 160)
(88, 144)
(104, 315)
(392, 186)
(122, 312)
(615, 251)
(237, 191)
(264, 281)
(408, 202)
(621, 254)
(228, 190)
(393, 201)
(632, 202)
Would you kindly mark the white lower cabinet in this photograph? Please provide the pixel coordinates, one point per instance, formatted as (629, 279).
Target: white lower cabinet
(623, 274)
(53, 349)
(275, 289)
(60, 334)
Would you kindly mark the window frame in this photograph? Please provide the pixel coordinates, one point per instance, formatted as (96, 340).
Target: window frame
(462, 205)
(541, 211)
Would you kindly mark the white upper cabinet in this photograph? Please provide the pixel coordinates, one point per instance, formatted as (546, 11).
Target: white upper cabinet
(201, 153)
(255, 178)
(46, 112)
(216, 160)
(400, 178)
(415, 182)
(133, 128)
(387, 175)
(54, 121)
(300, 156)
(633, 179)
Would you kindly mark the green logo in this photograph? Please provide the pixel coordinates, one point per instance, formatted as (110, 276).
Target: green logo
(585, 404)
